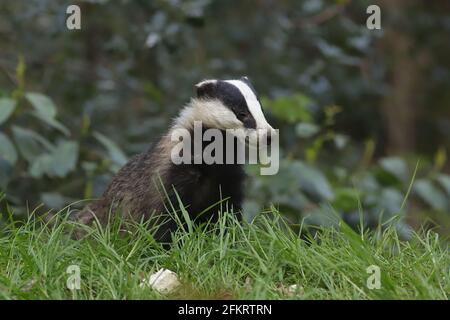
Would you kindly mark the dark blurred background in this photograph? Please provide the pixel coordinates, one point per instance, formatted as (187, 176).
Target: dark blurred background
(364, 115)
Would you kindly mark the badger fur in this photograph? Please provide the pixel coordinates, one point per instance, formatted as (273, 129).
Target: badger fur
(150, 183)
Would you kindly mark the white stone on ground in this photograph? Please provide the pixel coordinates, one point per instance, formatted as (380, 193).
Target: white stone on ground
(163, 281)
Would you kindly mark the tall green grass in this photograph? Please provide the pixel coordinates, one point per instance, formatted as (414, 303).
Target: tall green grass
(231, 259)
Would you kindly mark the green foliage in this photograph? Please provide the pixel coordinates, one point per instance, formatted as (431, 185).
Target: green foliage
(27, 153)
(114, 152)
(75, 104)
(59, 162)
(45, 110)
(319, 190)
(7, 107)
(291, 109)
(431, 195)
(25, 148)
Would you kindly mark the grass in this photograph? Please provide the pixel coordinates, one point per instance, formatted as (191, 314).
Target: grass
(234, 261)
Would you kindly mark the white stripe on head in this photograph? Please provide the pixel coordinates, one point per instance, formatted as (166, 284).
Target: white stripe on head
(253, 104)
(198, 85)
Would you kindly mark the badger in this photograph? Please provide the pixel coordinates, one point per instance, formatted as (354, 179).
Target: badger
(151, 184)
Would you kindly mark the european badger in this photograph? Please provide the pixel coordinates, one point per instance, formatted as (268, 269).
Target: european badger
(134, 191)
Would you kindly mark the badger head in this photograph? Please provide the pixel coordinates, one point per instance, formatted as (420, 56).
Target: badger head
(230, 104)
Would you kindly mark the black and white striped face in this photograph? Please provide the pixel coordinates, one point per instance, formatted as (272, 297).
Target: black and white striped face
(236, 105)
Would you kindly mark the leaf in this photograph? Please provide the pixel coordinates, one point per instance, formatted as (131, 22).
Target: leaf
(346, 199)
(53, 123)
(430, 194)
(152, 39)
(30, 143)
(396, 167)
(283, 187)
(43, 104)
(41, 165)
(65, 157)
(7, 150)
(405, 231)
(313, 181)
(367, 183)
(45, 110)
(54, 200)
(332, 51)
(444, 181)
(306, 130)
(251, 208)
(6, 171)
(323, 216)
(7, 107)
(291, 109)
(58, 163)
(390, 201)
(340, 141)
(113, 149)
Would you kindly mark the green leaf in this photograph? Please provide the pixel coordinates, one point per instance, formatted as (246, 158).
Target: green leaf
(346, 199)
(396, 167)
(45, 110)
(291, 109)
(313, 181)
(405, 231)
(306, 130)
(43, 105)
(53, 123)
(58, 163)
(41, 165)
(444, 181)
(7, 150)
(30, 143)
(323, 216)
(429, 193)
(6, 171)
(390, 201)
(54, 200)
(340, 140)
(367, 183)
(116, 154)
(7, 107)
(65, 158)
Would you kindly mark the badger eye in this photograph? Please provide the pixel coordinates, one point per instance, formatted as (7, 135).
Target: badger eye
(242, 114)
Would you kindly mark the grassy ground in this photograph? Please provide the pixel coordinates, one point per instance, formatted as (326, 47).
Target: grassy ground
(254, 261)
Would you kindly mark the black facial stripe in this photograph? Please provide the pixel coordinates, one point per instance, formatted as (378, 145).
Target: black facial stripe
(232, 97)
(206, 90)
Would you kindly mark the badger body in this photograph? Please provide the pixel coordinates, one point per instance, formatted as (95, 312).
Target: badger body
(151, 185)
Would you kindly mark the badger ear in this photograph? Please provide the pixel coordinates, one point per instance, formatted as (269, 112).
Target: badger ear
(206, 88)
